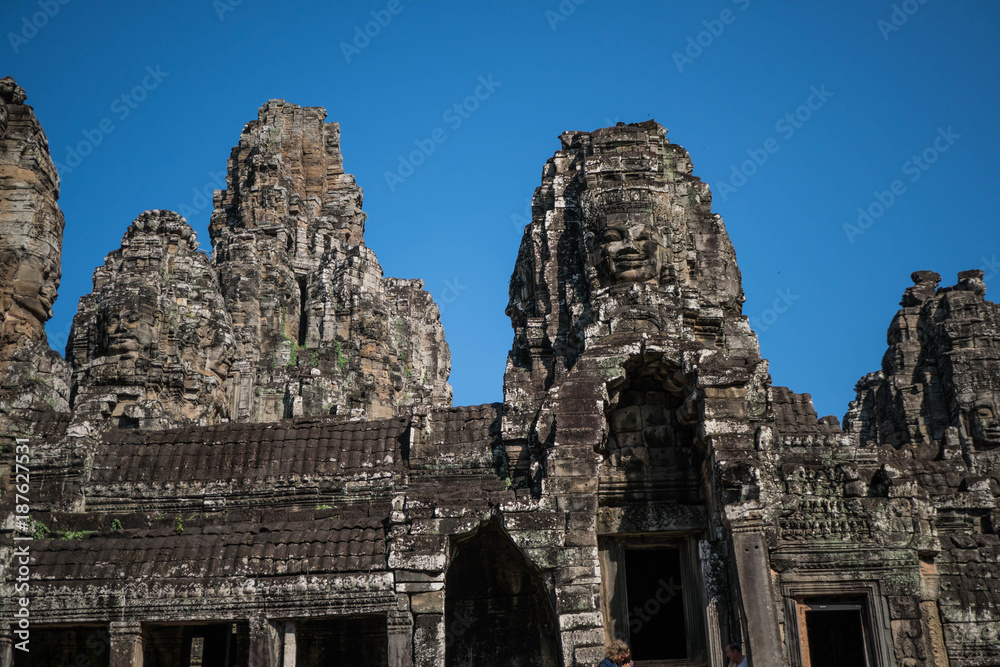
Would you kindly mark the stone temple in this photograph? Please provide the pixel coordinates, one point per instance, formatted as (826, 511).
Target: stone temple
(250, 458)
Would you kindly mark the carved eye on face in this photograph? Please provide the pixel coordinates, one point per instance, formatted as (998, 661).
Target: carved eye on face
(984, 413)
(611, 236)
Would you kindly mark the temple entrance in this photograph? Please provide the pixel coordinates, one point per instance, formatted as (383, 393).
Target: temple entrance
(224, 644)
(653, 584)
(349, 640)
(651, 599)
(497, 611)
(55, 647)
(833, 634)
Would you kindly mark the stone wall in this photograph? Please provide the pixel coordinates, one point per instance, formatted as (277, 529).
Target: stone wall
(261, 460)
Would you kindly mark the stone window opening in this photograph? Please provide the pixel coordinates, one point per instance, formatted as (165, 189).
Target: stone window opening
(836, 624)
(833, 633)
(338, 640)
(222, 644)
(67, 645)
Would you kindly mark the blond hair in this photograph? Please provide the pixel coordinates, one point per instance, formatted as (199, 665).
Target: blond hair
(616, 650)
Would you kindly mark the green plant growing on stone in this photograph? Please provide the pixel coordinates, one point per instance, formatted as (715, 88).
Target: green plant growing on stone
(324, 507)
(342, 359)
(75, 534)
(293, 354)
(508, 483)
(39, 530)
(116, 525)
(314, 359)
(179, 525)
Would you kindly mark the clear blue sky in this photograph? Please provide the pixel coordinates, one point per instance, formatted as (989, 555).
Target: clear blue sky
(721, 75)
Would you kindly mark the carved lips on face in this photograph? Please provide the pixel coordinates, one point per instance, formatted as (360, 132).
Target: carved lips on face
(630, 251)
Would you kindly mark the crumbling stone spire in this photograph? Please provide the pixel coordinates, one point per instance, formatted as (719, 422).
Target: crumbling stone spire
(941, 371)
(319, 330)
(31, 229)
(152, 345)
(622, 239)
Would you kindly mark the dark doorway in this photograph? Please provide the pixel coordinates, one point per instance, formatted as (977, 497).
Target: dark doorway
(55, 647)
(835, 635)
(657, 626)
(223, 644)
(497, 612)
(348, 640)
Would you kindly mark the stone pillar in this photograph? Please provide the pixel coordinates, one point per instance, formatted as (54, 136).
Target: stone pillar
(930, 617)
(288, 645)
(428, 640)
(400, 638)
(753, 572)
(6, 646)
(709, 557)
(126, 644)
(265, 643)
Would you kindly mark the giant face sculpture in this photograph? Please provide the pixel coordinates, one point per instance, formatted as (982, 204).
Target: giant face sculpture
(985, 422)
(628, 247)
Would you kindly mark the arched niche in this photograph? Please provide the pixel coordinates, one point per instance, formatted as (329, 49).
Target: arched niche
(651, 452)
(497, 610)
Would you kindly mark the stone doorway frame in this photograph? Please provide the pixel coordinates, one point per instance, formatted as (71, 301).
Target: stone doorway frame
(611, 550)
(867, 594)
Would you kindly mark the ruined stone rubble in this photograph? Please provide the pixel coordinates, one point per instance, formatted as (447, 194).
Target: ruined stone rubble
(259, 464)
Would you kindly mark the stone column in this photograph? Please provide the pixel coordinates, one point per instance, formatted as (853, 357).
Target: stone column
(288, 645)
(126, 644)
(711, 561)
(427, 608)
(6, 646)
(265, 643)
(400, 638)
(753, 572)
(930, 617)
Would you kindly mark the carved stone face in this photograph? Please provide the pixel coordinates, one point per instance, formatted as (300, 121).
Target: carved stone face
(985, 424)
(629, 248)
